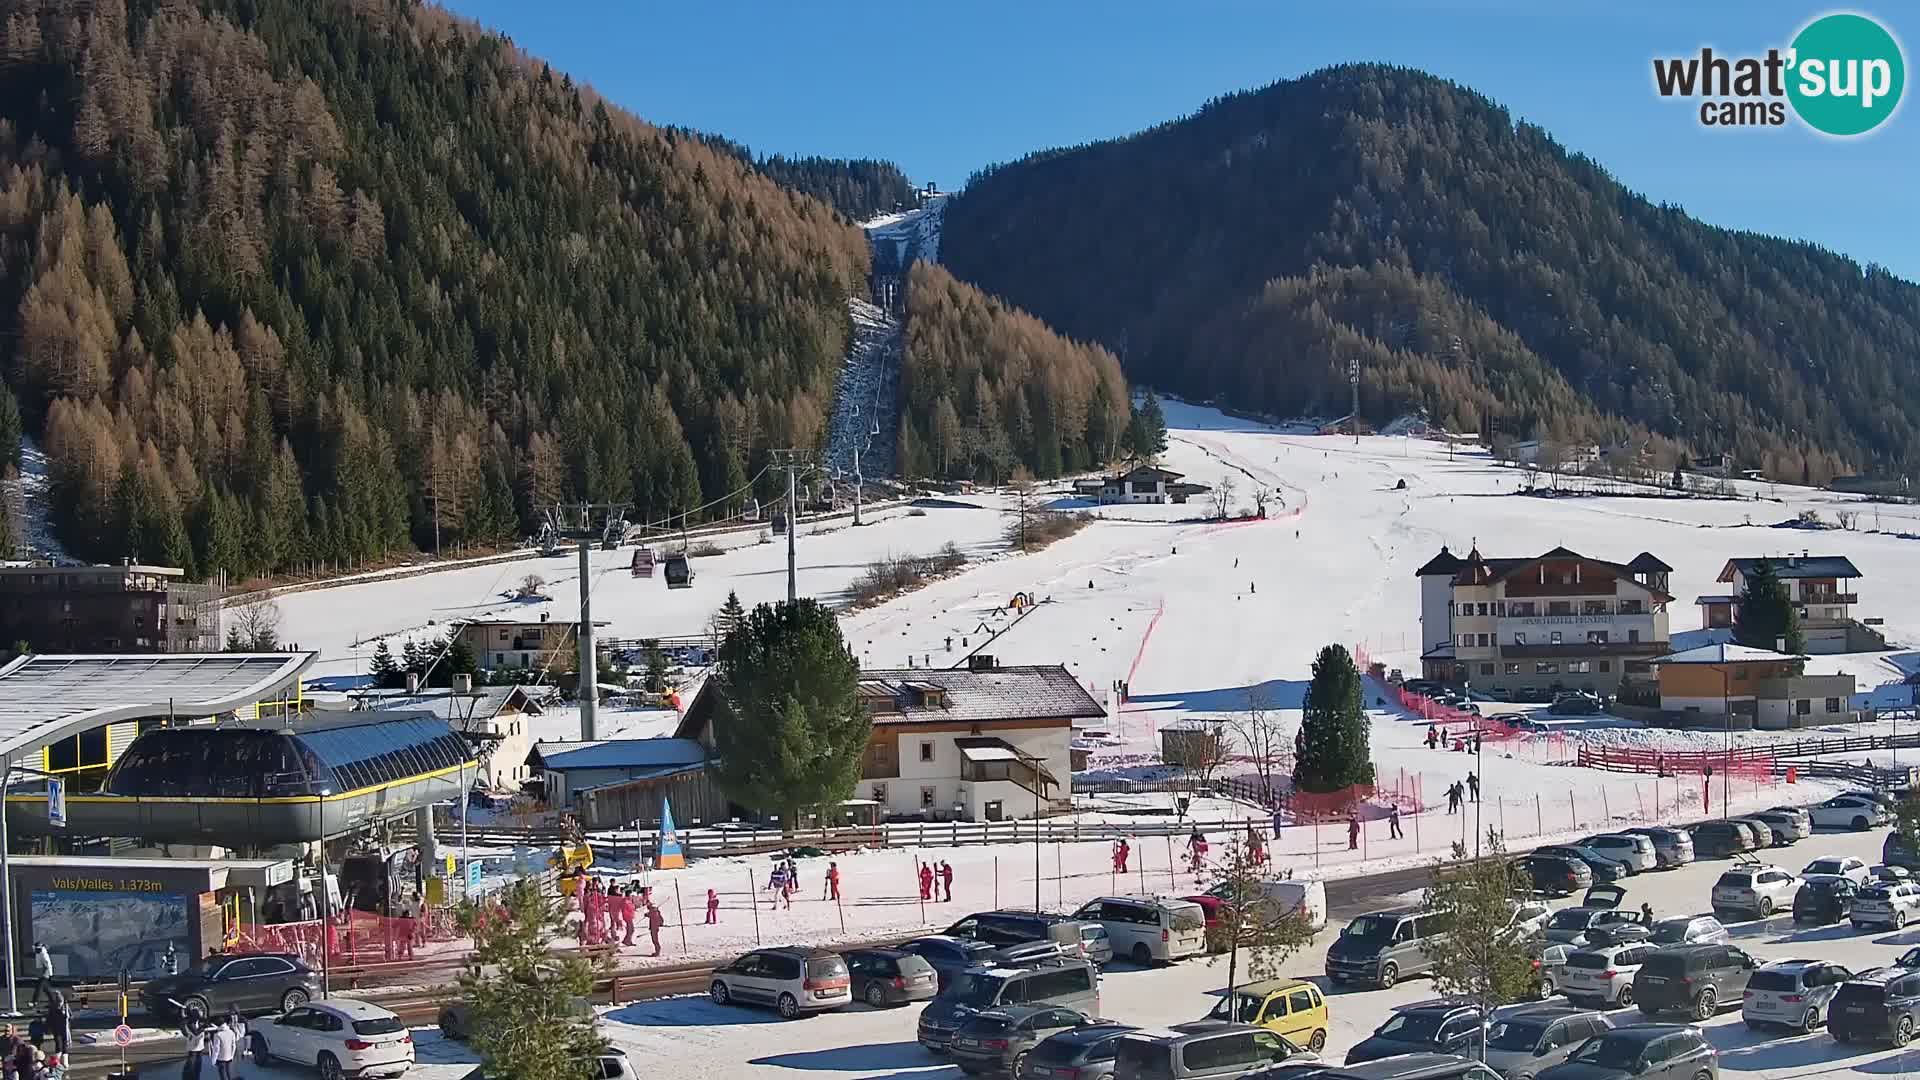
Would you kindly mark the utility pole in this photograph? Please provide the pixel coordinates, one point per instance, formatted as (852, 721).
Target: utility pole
(858, 483)
(792, 461)
(1353, 380)
(587, 689)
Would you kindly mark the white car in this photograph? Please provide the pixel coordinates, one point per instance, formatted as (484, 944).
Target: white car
(1886, 904)
(1893, 874)
(1635, 851)
(1530, 916)
(1793, 994)
(1602, 976)
(1850, 868)
(1760, 889)
(339, 1036)
(1148, 931)
(1856, 812)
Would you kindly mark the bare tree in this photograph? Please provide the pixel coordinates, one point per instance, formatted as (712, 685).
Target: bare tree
(255, 628)
(1223, 497)
(1847, 518)
(1258, 727)
(1021, 512)
(1198, 749)
(531, 586)
(1262, 495)
(1551, 457)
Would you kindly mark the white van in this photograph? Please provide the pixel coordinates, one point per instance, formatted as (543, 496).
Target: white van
(1149, 931)
(1288, 894)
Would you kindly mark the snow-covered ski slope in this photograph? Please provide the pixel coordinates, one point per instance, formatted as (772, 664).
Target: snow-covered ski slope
(1190, 613)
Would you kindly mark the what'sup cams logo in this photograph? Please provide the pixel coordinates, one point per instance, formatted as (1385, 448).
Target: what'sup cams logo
(1842, 76)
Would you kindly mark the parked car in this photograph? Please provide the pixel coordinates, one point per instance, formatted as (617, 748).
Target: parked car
(1909, 959)
(1823, 899)
(1601, 976)
(891, 977)
(1000, 928)
(1895, 851)
(1884, 872)
(1383, 947)
(1192, 1051)
(1438, 1027)
(1798, 813)
(1852, 869)
(1793, 994)
(613, 1066)
(1291, 1007)
(1760, 889)
(1689, 930)
(1569, 926)
(948, 956)
(1856, 812)
(1787, 828)
(1574, 705)
(1148, 931)
(1530, 916)
(1886, 904)
(1642, 1052)
(1549, 968)
(339, 1036)
(793, 979)
(1604, 868)
(1096, 944)
(456, 1017)
(1759, 832)
(254, 983)
(1720, 840)
(1694, 979)
(1522, 1042)
(1552, 875)
(999, 1040)
(1082, 1053)
(1671, 847)
(1634, 850)
(1069, 983)
(1881, 1005)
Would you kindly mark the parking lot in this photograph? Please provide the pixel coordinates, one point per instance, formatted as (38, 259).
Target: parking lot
(690, 1037)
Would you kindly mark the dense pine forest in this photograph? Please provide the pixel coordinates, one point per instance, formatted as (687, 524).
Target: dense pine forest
(297, 282)
(987, 389)
(1477, 270)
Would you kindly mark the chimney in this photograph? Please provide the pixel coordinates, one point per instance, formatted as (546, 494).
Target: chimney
(413, 682)
(463, 683)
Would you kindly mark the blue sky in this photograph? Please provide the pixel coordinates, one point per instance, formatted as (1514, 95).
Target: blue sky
(945, 89)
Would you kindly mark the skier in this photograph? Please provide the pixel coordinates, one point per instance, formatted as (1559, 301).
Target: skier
(833, 883)
(655, 920)
(1256, 848)
(1433, 736)
(713, 907)
(1453, 798)
(1473, 784)
(1196, 850)
(926, 881)
(946, 878)
(1353, 832)
(1393, 822)
(1120, 855)
(625, 901)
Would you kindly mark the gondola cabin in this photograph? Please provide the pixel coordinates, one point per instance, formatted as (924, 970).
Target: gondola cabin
(678, 571)
(643, 562)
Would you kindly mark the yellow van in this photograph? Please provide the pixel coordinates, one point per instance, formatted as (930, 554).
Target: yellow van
(1294, 1009)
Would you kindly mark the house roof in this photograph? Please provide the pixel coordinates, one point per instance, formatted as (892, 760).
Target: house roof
(528, 622)
(616, 754)
(1724, 653)
(1795, 566)
(1148, 470)
(1444, 563)
(1038, 693)
(483, 704)
(1647, 563)
(1498, 569)
(47, 698)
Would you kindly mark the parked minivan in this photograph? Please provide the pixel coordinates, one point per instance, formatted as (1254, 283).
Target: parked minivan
(1198, 1050)
(1000, 928)
(1072, 984)
(1383, 947)
(1149, 931)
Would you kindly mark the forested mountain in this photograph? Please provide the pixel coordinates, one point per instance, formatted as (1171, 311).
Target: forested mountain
(985, 388)
(1476, 268)
(860, 188)
(286, 282)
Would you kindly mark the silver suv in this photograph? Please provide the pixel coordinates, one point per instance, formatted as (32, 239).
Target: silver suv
(793, 980)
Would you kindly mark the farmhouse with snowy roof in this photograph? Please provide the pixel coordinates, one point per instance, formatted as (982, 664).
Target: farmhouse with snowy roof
(1822, 590)
(1141, 484)
(980, 743)
(1560, 620)
(1747, 687)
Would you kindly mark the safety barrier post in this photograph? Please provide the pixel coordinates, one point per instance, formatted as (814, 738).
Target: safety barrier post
(1539, 818)
(753, 901)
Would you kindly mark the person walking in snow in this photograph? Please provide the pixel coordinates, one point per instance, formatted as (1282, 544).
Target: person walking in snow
(926, 881)
(655, 920)
(832, 883)
(1393, 822)
(1433, 736)
(1353, 832)
(1453, 797)
(1473, 785)
(1196, 850)
(1120, 856)
(777, 884)
(946, 878)
(626, 913)
(713, 907)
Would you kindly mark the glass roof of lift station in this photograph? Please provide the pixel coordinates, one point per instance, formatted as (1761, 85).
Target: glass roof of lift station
(330, 756)
(44, 699)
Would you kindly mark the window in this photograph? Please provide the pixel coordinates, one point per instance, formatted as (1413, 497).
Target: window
(1559, 607)
(1466, 609)
(1594, 607)
(503, 633)
(1480, 640)
(1466, 641)
(1555, 638)
(1633, 636)
(1487, 669)
(1218, 1053)
(1632, 607)
(1803, 707)
(1500, 608)
(1523, 609)
(1606, 666)
(927, 795)
(926, 750)
(1513, 668)
(1579, 667)
(1833, 704)
(1480, 609)
(1545, 667)
(1596, 637)
(1299, 1001)
(880, 794)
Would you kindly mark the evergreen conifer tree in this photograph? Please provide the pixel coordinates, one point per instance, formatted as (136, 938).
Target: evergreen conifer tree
(788, 730)
(1767, 613)
(521, 992)
(656, 668)
(386, 674)
(1333, 752)
(412, 660)
(1147, 431)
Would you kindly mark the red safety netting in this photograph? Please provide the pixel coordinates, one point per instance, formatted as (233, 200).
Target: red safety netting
(1751, 763)
(357, 937)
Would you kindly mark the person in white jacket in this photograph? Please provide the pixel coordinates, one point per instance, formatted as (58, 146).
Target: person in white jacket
(42, 973)
(223, 1045)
